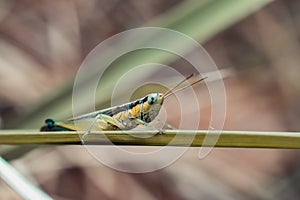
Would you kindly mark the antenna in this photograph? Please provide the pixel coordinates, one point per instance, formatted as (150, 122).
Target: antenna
(178, 84)
(170, 92)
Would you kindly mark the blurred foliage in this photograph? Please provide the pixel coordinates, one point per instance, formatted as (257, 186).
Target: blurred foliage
(197, 19)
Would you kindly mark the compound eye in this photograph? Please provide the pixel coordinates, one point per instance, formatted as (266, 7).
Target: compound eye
(151, 98)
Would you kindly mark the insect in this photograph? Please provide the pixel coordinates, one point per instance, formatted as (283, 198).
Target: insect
(122, 117)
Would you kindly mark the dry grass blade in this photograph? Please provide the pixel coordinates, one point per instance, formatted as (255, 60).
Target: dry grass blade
(195, 138)
(19, 183)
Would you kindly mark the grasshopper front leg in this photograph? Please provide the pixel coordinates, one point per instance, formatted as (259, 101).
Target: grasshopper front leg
(139, 121)
(170, 126)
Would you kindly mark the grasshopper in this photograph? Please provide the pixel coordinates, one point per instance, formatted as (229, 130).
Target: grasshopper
(123, 117)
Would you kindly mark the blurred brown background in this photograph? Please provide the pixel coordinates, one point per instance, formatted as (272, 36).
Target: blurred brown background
(42, 44)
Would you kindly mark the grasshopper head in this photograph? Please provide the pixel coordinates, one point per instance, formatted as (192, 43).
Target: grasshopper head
(154, 102)
(155, 98)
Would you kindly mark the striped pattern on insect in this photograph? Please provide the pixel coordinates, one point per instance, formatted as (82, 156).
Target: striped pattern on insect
(122, 117)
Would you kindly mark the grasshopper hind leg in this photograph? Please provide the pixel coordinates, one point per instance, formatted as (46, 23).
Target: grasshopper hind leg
(89, 129)
(106, 122)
